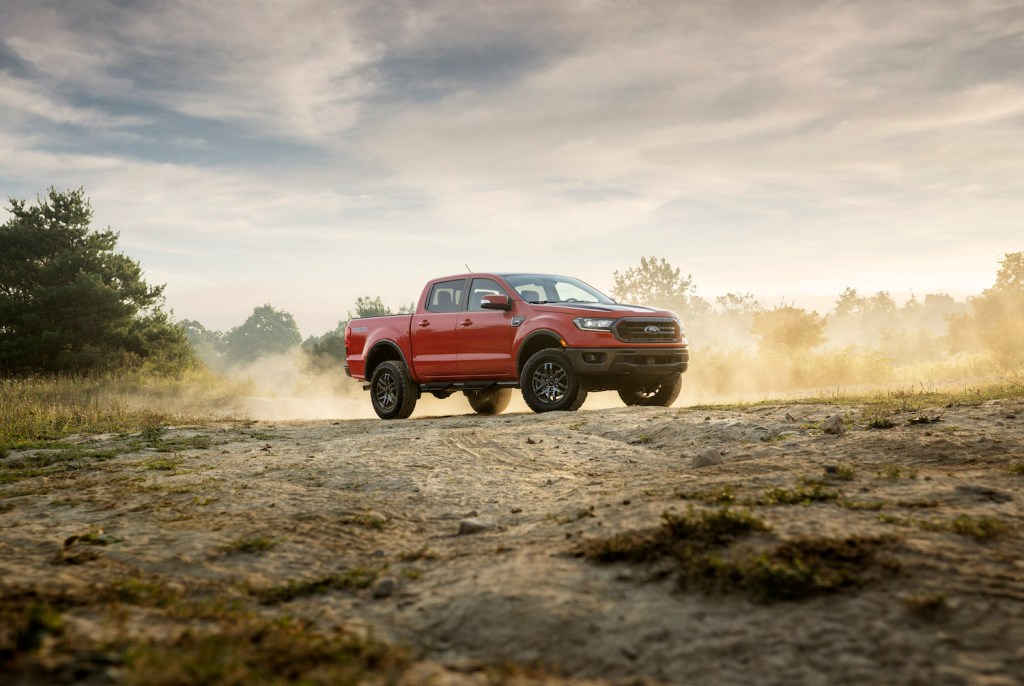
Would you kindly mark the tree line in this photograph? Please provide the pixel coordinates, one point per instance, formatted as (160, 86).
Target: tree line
(937, 325)
(69, 302)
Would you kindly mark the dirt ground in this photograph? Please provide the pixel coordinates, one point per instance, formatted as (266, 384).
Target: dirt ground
(462, 538)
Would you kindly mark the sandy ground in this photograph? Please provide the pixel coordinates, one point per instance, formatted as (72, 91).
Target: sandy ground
(472, 526)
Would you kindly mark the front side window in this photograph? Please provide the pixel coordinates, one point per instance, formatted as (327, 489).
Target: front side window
(446, 296)
(481, 288)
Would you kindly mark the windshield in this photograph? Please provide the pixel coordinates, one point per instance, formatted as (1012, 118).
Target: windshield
(545, 288)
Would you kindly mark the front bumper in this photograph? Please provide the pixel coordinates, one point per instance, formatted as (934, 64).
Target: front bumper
(623, 367)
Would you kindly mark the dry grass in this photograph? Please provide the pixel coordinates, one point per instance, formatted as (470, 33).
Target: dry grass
(52, 408)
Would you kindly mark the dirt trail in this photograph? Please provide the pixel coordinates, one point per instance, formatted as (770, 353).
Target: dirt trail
(468, 531)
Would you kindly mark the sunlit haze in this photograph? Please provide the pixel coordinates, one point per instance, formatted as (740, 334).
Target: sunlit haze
(305, 153)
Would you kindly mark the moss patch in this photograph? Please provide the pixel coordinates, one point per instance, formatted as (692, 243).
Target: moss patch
(697, 548)
(52, 461)
(356, 578)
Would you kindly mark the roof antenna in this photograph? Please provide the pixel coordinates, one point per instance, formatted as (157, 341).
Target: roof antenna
(467, 268)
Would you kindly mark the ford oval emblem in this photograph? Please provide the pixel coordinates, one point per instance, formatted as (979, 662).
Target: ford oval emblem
(651, 330)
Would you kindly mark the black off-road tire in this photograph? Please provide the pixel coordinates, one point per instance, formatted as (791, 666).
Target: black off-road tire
(550, 383)
(392, 390)
(490, 401)
(663, 396)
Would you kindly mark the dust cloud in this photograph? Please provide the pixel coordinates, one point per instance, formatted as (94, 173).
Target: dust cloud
(287, 386)
(864, 345)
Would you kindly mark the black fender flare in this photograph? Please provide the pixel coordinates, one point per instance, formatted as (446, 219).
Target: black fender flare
(546, 333)
(375, 349)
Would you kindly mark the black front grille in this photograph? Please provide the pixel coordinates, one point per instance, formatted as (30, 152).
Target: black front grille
(647, 330)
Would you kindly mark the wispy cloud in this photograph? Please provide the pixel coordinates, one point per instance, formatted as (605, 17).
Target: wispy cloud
(289, 69)
(25, 101)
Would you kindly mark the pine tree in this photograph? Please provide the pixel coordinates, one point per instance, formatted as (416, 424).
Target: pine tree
(69, 302)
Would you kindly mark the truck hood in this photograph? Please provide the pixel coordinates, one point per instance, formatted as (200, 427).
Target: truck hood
(596, 310)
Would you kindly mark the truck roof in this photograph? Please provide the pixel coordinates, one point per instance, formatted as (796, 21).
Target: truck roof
(503, 275)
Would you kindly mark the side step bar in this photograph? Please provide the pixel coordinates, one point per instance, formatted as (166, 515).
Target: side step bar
(443, 386)
(452, 386)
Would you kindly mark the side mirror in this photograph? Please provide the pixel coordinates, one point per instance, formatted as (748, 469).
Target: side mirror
(496, 302)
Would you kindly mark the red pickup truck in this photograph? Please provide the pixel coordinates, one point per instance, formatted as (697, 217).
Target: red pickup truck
(554, 337)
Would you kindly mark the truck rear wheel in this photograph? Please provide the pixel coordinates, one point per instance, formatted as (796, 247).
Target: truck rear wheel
(491, 401)
(392, 391)
(550, 383)
(662, 396)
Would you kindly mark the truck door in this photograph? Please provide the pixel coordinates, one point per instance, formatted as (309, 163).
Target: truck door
(433, 332)
(484, 337)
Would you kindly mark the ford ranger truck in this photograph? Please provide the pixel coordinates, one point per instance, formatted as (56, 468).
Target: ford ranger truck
(554, 337)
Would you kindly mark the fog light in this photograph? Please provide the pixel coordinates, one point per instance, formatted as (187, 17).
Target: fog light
(593, 358)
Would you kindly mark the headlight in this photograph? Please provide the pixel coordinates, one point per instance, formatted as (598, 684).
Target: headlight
(589, 324)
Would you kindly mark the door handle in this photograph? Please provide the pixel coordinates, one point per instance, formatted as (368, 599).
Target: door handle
(466, 322)
(424, 322)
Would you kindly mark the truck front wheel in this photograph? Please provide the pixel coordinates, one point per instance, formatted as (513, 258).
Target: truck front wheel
(550, 383)
(491, 401)
(661, 396)
(392, 391)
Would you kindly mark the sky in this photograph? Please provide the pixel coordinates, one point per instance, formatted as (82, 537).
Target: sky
(303, 153)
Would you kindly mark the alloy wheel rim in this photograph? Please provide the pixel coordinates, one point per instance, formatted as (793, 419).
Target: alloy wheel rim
(550, 383)
(387, 391)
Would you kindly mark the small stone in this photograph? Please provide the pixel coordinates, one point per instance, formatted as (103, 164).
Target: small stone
(834, 425)
(530, 441)
(709, 457)
(385, 588)
(516, 510)
(474, 526)
(790, 418)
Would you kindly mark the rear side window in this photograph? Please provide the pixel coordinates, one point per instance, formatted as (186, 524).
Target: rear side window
(446, 296)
